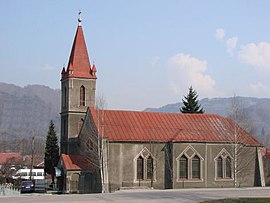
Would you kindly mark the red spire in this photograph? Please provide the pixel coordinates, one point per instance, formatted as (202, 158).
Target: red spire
(79, 63)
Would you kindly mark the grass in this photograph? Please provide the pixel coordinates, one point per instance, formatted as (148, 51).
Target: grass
(241, 200)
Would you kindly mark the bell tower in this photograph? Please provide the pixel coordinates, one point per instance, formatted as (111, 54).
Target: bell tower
(78, 86)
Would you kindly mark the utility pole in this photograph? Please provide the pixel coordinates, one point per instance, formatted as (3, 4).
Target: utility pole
(32, 156)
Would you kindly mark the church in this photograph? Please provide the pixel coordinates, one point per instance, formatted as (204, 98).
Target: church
(107, 150)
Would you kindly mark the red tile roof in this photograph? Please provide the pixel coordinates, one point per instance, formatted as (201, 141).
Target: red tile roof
(79, 63)
(132, 126)
(75, 162)
(5, 157)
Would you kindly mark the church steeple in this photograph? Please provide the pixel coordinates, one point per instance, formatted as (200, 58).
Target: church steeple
(79, 62)
(78, 90)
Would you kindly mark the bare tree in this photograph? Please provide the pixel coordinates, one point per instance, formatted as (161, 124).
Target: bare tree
(243, 156)
(100, 106)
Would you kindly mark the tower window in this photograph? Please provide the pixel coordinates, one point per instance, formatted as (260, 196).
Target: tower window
(82, 96)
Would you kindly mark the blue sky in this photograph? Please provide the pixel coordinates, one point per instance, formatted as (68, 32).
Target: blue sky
(147, 53)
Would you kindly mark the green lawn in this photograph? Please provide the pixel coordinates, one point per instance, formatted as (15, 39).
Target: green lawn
(241, 200)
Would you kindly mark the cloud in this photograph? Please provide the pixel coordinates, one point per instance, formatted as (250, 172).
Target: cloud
(256, 55)
(231, 44)
(259, 89)
(186, 71)
(220, 33)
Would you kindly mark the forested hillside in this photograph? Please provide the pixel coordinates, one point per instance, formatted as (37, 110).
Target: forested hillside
(26, 112)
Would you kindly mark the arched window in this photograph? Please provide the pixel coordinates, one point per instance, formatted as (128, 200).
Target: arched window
(144, 164)
(140, 169)
(219, 167)
(150, 168)
(196, 167)
(82, 96)
(223, 165)
(228, 172)
(183, 167)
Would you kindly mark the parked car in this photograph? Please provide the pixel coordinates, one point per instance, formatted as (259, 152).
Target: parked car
(27, 186)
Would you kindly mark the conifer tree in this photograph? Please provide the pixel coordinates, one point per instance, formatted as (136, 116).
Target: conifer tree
(190, 103)
(51, 152)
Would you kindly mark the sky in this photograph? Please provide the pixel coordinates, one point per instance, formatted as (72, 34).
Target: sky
(147, 53)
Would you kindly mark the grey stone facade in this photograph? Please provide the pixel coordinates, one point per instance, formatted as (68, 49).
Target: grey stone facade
(72, 113)
(122, 165)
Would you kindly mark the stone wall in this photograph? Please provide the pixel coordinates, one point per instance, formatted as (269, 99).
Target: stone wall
(122, 165)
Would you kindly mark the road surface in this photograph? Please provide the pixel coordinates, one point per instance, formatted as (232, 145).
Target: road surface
(140, 196)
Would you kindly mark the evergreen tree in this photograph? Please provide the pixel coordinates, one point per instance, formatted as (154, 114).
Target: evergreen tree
(190, 103)
(51, 152)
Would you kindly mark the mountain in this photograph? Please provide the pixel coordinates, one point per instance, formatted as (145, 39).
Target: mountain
(256, 109)
(26, 111)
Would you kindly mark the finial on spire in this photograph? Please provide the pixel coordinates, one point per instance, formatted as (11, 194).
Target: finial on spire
(80, 18)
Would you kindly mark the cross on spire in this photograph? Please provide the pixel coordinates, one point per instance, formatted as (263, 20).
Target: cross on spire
(80, 18)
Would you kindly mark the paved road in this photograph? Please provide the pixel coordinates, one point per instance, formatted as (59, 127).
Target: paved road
(140, 196)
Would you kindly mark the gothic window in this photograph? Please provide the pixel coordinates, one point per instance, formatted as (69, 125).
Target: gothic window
(189, 165)
(145, 166)
(150, 168)
(219, 167)
(82, 96)
(223, 165)
(196, 167)
(183, 167)
(140, 168)
(228, 172)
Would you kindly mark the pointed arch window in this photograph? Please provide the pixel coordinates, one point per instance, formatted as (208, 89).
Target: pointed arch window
(150, 168)
(228, 173)
(82, 96)
(223, 165)
(196, 167)
(145, 164)
(183, 167)
(189, 165)
(219, 167)
(140, 169)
